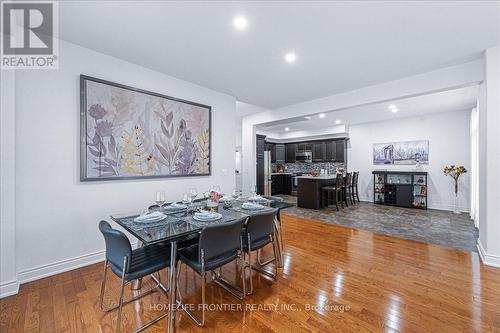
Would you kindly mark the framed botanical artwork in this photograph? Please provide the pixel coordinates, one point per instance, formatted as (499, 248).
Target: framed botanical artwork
(401, 153)
(130, 133)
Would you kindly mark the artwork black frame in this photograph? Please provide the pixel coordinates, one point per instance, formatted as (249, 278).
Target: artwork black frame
(83, 131)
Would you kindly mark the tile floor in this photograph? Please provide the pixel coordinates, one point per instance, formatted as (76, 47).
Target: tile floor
(430, 226)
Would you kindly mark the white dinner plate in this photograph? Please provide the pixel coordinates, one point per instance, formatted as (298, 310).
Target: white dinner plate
(215, 217)
(152, 219)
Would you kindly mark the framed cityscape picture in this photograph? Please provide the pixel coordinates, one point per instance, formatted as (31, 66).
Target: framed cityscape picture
(130, 133)
(401, 153)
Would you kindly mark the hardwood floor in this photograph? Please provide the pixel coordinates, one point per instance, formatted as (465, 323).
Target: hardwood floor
(335, 279)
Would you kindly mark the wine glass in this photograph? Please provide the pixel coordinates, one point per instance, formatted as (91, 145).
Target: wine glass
(235, 194)
(193, 193)
(186, 198)
(160, 198)
(253, 190)
(217, 189)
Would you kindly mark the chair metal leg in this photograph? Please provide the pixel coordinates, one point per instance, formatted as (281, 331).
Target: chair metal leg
(120, 302)
(203, 291)
(190, 314)
(103, 285)
(249, 265)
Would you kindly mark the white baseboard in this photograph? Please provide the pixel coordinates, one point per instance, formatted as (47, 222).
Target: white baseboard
(487, 259)
(62, 266)
(9, 288)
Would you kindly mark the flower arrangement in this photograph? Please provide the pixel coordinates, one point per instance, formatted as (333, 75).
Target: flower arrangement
(454, 172)
(215, 196)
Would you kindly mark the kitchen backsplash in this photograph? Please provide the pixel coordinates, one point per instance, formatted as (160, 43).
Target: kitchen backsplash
(308, 167)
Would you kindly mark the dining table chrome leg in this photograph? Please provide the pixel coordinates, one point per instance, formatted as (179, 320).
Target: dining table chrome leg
(173, 286)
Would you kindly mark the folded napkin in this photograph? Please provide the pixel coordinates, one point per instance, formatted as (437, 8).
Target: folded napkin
(206, 215)
(156, 215)
(251, 205)
(175, 205)
(257, 198)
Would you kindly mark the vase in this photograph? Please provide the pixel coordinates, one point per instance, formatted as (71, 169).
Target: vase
(456, 210)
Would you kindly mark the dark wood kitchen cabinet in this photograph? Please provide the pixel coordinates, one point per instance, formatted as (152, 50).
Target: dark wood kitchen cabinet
(261, 146)
(304, 146)
(291, 149)
(319, 151)
(272, 148)
(330, 151)
(281, 184)
(340, 149)
(280, 153)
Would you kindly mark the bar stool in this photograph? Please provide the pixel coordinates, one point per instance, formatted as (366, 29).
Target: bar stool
(334, 192)
(355, 192)
(348, 188)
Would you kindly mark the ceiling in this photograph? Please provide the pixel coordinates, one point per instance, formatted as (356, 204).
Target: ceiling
(340, 46)
(451, 100)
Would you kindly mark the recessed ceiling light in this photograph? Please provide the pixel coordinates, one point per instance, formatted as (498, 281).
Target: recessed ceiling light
(321, 115)
(287, 129)
(337, 121)
(392, 106)
(308, 117)
(240, 22)
(394, 110)
(290, 57)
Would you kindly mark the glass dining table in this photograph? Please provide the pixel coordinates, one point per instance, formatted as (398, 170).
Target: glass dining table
(179, 225)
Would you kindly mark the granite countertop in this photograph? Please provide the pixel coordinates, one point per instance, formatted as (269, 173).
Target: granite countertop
(322, 177)
(281, 173)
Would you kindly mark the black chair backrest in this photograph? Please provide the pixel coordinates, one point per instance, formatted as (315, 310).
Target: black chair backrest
(348, 179)
(117, 245)
(338, 180)
(355, 178)
(218, 239)
(261, 225)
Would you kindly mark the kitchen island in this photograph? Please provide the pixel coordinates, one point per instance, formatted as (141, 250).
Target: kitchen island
(309, 190)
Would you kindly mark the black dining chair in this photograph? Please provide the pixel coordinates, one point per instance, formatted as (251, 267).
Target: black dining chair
(259, 232)
(334, 192)
(130, 265)
(355, 191)
(219, 244)
(279, 234)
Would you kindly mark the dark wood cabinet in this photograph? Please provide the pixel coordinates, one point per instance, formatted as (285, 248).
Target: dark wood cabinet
(340, 147)
(281, 184)
(272, 148)
(280, 153)
(331, 151)
(260, 146)
(291, 149)
(400, 188)
(304, 146)
(309, 193)
(319, 151)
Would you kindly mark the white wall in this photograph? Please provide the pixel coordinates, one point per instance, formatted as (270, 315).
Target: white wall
(448, 135)
(8, 280)
(489, 160)
(57, 215)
